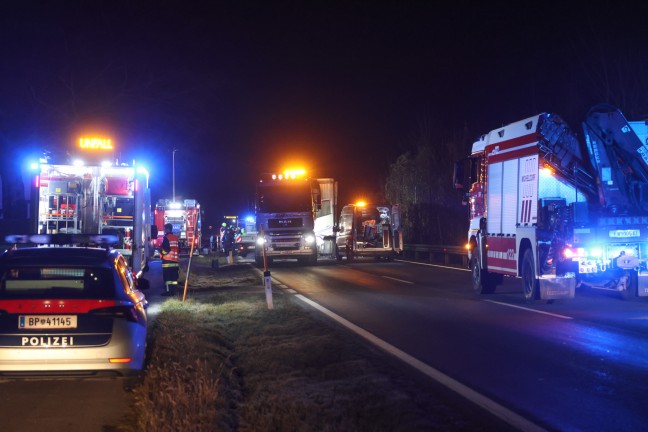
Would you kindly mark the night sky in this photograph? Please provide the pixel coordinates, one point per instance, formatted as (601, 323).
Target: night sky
(241, 88)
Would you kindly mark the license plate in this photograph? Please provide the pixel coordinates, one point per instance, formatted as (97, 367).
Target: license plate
(47, 321)
(625, 233)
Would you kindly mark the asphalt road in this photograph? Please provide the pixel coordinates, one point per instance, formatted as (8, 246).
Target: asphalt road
(578, 364)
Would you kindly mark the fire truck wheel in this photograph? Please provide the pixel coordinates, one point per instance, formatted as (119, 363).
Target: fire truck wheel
(529, 281)
(482, 281)
(630, 293)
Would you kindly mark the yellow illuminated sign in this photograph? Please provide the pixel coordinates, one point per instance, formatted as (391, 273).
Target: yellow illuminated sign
(289, 174)
(95, 143)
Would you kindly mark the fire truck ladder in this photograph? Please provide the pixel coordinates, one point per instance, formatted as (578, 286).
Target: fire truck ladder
(561, 150)
(191, 226)
(620, 159)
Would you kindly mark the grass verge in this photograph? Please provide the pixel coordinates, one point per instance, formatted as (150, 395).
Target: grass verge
(222, 361)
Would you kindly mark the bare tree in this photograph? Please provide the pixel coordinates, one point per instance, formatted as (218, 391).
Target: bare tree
(421, 182)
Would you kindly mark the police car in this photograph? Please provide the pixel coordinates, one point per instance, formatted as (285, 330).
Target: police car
(69, 310)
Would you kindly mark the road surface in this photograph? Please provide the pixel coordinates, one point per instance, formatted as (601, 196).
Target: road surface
(580, 364)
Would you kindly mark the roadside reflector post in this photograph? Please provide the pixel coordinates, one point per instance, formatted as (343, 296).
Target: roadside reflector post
(267, 284)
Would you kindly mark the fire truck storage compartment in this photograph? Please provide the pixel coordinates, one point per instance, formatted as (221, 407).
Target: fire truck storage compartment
(119, 211)
(117, 186)
(63, 187)
(502, 197)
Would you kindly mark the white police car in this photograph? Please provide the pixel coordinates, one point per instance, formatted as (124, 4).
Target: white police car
(69, 310)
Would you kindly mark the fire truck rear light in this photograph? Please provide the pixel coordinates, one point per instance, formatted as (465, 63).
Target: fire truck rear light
(574, 253)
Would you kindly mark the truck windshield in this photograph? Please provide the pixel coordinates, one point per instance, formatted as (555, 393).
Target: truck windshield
(284, 197)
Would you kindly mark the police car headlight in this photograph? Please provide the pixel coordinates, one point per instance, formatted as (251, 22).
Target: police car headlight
(261, 241)
(309, 239)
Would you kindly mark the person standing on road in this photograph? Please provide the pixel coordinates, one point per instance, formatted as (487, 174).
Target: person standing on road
(170, 252)
(223, 229)
(228, 244)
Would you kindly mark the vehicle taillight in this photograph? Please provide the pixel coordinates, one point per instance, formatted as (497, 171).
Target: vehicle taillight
(128, 312)
(572, 252)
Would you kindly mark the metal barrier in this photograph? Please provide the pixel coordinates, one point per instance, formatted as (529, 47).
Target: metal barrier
(434, 254)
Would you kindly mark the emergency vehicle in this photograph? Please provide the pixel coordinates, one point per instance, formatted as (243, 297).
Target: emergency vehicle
(185, 216)
(294, 217)
(556, 211)
(92, 194)
(369, 230)
(245, 234)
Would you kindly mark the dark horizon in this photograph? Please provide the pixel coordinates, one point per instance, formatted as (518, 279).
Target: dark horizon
(341, 89)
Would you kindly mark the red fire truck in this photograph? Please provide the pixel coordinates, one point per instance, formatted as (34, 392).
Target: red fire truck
(559, 212)
(185, 216)
(93, 194)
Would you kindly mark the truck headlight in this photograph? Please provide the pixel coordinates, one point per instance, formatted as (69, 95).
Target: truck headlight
(261, 241)
(309, 239)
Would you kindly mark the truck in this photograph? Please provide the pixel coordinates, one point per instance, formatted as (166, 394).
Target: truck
(96, 195)
(369, 230)
(185, 216)
(294, 217)
(557, 211)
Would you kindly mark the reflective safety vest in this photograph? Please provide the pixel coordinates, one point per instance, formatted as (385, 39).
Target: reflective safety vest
(171, 257)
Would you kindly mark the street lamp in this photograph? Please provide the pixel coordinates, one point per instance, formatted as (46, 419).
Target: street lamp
(173, 174)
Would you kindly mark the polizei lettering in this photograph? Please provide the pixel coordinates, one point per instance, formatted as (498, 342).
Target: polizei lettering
(48, 341)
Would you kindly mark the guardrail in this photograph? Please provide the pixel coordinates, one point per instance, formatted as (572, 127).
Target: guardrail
(435, 254)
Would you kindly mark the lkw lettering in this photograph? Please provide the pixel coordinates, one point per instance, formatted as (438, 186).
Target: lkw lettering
(48, 341)
(509, 254)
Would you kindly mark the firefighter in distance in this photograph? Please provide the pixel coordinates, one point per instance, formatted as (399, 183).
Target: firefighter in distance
(170, 252)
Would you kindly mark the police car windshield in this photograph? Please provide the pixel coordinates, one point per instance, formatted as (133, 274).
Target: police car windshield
(34, 282)
(284, 198)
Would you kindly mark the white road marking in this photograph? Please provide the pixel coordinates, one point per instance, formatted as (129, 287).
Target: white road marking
(529, 309)
(489, 405)
(434, 265)
(398, 280)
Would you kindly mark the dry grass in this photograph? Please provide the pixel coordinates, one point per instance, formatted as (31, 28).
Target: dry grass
(223, 362)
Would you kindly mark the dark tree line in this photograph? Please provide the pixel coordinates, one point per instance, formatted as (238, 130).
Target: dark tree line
(421, 182)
